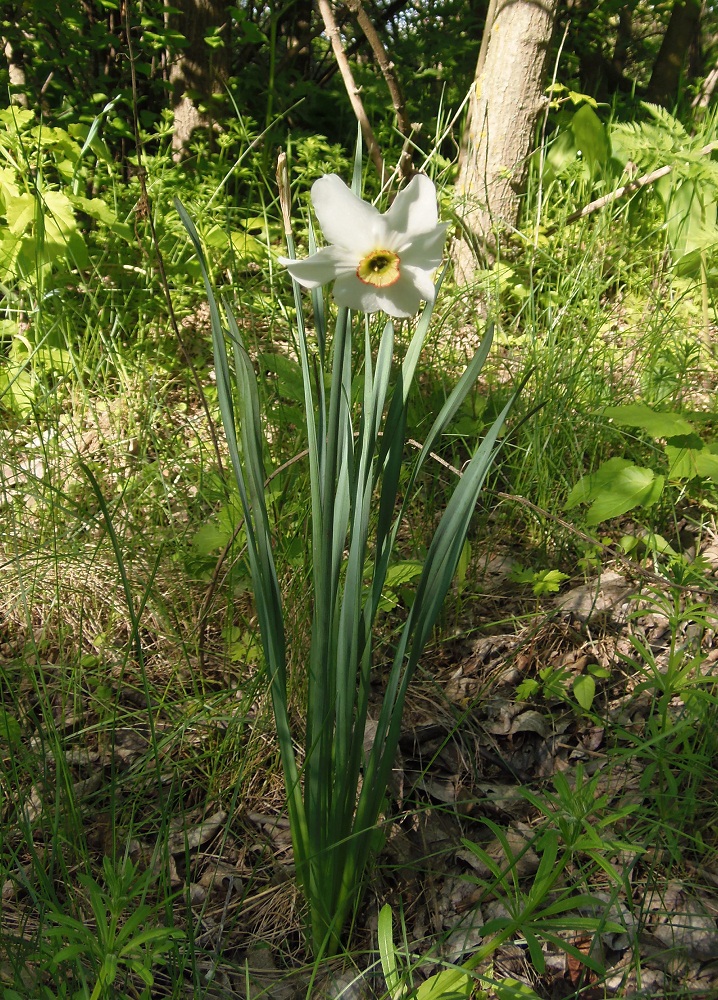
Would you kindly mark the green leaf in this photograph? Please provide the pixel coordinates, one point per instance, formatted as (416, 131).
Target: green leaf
(689, 457)
(691, 222)
(290, 384)
(658, 425)
(547, 581)
(463, 565)
(584, 691)
(615, 488)
(707, 464)
(59, 216)
(387, 953)
(211, 537)
(450, 984)
(585, 142)
(20, 213)
(590, 136)
(17, 389)
(402, 572)
(513, 989)
(101, 212)
(527, 689)
(10, 731)
(16, 119)
(589, 485)
(520, 574)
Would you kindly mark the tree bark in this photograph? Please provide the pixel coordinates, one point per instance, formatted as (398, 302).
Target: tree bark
(505, 102)
(682, 29)
(16, 73)
(624, 38)
(200, 70)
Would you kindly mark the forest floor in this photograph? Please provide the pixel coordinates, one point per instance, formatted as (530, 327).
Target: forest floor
(558, 764)
(482, 774)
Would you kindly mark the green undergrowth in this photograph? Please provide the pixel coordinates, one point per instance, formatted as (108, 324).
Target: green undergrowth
(133, 709)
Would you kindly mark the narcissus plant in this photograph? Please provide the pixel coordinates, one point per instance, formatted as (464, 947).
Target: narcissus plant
(378, 263)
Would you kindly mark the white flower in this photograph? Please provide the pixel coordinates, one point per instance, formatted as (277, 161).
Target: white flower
(377, 262)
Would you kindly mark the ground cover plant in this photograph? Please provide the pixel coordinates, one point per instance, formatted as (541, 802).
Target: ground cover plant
(543, 819)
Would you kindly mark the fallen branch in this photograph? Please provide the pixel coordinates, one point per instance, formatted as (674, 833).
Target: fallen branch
(608, 199)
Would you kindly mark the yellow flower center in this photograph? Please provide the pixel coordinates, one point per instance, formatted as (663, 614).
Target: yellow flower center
(379, 268)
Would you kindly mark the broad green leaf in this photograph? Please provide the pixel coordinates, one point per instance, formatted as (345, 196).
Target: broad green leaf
(690, 457)
(584, 145)
(20, 213)
(589, 485)
(584, 691)
(211, 537)
(596, 671)
(403, 572)
(463, 565)
(16, 118)
(10, 246)
(658, 424)
(707, 464)
(615, 488)
(101, 212)
(9, 190)
(59, 215)
(53, 359)
(17, 389)
(450, 984)
(547, 581)
(290, 384)
(10, 731)
(247, 247)
(691, 221)
(590, 136)
(634, 487)
(513, 989)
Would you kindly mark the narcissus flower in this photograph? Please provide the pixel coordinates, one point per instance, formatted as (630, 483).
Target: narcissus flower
(377, 262)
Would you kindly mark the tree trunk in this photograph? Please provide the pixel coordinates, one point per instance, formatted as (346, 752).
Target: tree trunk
(624, 38)
(16, 73)
(504, 106)
(668, 67)
(201, 69)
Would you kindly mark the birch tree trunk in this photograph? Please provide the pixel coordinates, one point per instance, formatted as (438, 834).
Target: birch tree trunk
(505, 102)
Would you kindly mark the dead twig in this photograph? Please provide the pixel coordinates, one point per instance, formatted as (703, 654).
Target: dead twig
(387, 68)
(352, 90)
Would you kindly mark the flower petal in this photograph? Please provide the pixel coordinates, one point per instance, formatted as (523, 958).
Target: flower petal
(346, 220)
(422, 281)
(321, 267)
(352, 293)
(414, 210)
(399, 300)
(426, 249)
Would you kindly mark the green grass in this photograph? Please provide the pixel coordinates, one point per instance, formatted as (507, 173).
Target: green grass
(114, 734)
